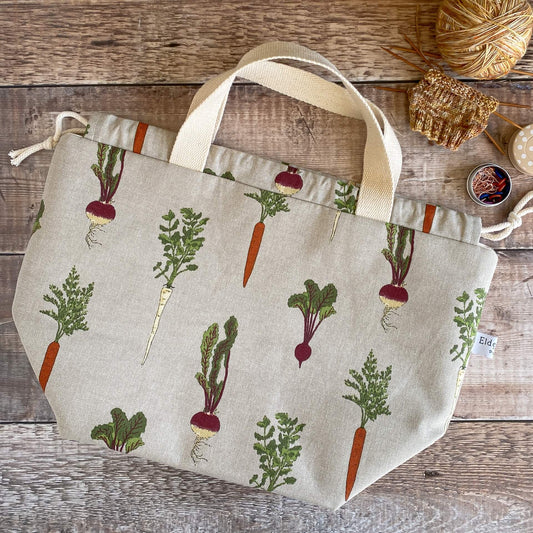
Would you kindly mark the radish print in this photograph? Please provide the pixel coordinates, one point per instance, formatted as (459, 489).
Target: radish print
(345, 201)
(271, 203)
(101, 212)
(467, 317)
(316, 305)
(370, 394)
(394, 295)
(277, 456)
(71, 301)
(289, 182)
(205, 424)
(179, 249)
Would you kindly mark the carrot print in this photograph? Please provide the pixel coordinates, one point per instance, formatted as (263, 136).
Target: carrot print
(121, 434)
(276, 459)
(394, 294)
(289, 182)
(345, 201)
(71, 302)
(205, 424)
(371, 392)
(179, 249)
(316, 305)
(101, 212)
(467, 319)
(271, 203)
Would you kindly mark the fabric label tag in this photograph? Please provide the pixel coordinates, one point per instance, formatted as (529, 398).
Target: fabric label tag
(484, 345)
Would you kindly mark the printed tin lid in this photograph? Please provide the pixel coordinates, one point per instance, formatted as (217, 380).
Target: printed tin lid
(489, 185)
(520, 150)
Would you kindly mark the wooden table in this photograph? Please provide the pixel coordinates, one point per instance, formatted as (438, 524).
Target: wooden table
(145, 60)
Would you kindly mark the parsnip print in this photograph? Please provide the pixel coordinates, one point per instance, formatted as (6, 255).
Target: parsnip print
(180, 246)
(345, 201)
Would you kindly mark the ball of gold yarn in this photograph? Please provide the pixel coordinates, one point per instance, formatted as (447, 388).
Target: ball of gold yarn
(483, 39)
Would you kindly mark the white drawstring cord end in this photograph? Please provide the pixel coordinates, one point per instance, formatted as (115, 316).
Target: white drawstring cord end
(500, 231)
(17, 156)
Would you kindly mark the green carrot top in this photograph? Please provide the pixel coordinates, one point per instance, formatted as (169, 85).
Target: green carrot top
(467, 319)
(271, 203)
(371, 389)
(179, 247)
(345, 200)
(215, 356)
(71, 302)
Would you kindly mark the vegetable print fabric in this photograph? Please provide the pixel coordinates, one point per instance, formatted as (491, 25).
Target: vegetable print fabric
(269, 384)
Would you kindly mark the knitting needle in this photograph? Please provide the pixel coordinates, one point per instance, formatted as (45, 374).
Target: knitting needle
(493, 141)
(507, 120)
(403, 59)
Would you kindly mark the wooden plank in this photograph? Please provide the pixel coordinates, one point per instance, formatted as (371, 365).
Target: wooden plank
(77, 42)
(473, 479)
(259, 121)
(501, 388)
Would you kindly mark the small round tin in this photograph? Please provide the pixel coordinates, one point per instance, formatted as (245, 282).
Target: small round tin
(520, 150)
(489, 184)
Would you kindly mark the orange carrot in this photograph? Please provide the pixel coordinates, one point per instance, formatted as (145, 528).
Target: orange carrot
(253, 250)
(48, 363)
(355, 458)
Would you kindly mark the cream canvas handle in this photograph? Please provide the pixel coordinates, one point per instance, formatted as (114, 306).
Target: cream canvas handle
(382, 158)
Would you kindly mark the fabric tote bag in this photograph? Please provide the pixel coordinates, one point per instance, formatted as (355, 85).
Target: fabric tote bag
(245, 318)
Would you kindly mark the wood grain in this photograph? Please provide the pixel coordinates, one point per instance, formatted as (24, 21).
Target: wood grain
(262, 122)
(78, 42)
(473, 479)
(501, 388)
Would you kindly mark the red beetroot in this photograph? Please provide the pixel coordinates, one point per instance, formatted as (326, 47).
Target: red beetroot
(289, 181)
(302, 352)
(100, 213)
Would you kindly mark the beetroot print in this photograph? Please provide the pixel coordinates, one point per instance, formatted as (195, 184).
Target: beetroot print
(370, 394)
(180, 246)
(315, 305)
(121, 434)
(289, 182)
(271, 203)
(394, 295)
(467, 317)
(101, 212)
(205, 424)
(70, 301)
(346, 202)
(277, 455)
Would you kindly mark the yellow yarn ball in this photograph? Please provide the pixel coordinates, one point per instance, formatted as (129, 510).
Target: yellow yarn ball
(483, 39)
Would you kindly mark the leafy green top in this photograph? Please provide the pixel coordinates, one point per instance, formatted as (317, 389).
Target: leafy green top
(226, 175)
(397, 237)
(180, 247)
(215, 355)
(108, 181)
(37, 223)
(467, 319)
(345, 199)
(271, 203)
(276, 459)
(121, 434)
(315, 304)
(371, 389)
(71, 302)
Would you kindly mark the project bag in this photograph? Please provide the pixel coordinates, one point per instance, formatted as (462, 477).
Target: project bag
(244, 318)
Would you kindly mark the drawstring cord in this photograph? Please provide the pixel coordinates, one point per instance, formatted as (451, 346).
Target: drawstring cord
(17, 156)
(500, 231)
